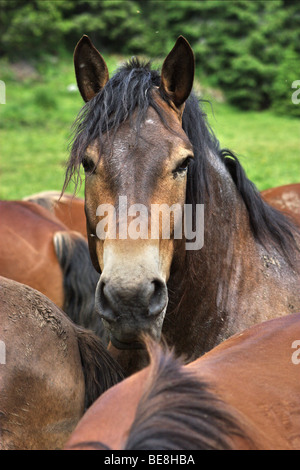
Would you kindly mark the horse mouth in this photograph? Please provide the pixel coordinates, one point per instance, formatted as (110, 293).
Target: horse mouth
(126, 344)
(127, 332)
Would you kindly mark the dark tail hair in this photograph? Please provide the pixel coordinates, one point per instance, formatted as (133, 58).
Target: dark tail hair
(179, 410)
(80, 280)
(100, 370)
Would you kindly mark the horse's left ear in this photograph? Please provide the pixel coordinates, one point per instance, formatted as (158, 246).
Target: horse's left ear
(90, 68)
(177, 73)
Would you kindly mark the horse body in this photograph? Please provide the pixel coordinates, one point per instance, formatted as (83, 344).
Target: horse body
(285, 198)
(243, 394)
(27, 249)
(38, 250)
(52, 370)
(142, 135)
(255, 373)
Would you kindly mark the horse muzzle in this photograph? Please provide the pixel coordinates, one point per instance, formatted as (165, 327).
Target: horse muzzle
(130, 311)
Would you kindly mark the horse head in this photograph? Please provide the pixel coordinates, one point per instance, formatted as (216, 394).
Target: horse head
(136, 160)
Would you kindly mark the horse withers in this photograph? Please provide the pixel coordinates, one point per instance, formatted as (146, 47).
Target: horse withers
(144, 142)
(67, 208)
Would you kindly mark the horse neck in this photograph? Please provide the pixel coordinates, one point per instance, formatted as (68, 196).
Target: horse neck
(227, 288)
(227, 227)
(230, 250)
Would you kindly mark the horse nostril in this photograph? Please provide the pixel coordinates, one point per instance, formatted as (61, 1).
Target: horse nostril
(158, 299)
(103, 303)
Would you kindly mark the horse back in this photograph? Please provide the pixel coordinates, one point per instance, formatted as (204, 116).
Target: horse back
(257, 372)
(27, 252)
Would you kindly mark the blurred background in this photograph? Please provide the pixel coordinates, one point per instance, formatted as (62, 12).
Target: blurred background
(247, 58)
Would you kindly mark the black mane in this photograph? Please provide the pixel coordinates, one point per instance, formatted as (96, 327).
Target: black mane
(129, 91)
(269, 226)
(178, 411)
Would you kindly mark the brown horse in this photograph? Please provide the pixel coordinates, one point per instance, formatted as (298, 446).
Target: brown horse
(50, 370)
(67, 208)
(244, 394)
(38, 250)
(285, 198)
(144, 143)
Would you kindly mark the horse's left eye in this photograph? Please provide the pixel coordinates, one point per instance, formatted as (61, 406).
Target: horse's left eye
(183, 166)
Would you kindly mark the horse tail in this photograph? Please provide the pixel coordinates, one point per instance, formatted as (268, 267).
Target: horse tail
(100, 370)
(79, 278)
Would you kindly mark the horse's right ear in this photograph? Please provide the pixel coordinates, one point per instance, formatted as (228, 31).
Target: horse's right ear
(90, 68)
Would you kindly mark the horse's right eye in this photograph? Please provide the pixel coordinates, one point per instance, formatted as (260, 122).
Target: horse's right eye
(88, 165)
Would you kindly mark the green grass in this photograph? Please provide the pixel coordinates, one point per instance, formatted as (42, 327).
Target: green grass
(35, 126)
(268, 146)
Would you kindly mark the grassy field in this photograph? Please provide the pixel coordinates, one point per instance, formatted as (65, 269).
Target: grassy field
(35, 129)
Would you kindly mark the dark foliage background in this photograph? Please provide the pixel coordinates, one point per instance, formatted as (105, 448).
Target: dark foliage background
(250, 49)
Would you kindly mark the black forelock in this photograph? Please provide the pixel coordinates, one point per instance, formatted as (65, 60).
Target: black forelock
(128, 90)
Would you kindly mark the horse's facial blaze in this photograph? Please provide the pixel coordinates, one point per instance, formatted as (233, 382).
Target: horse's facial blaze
(152, 169)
